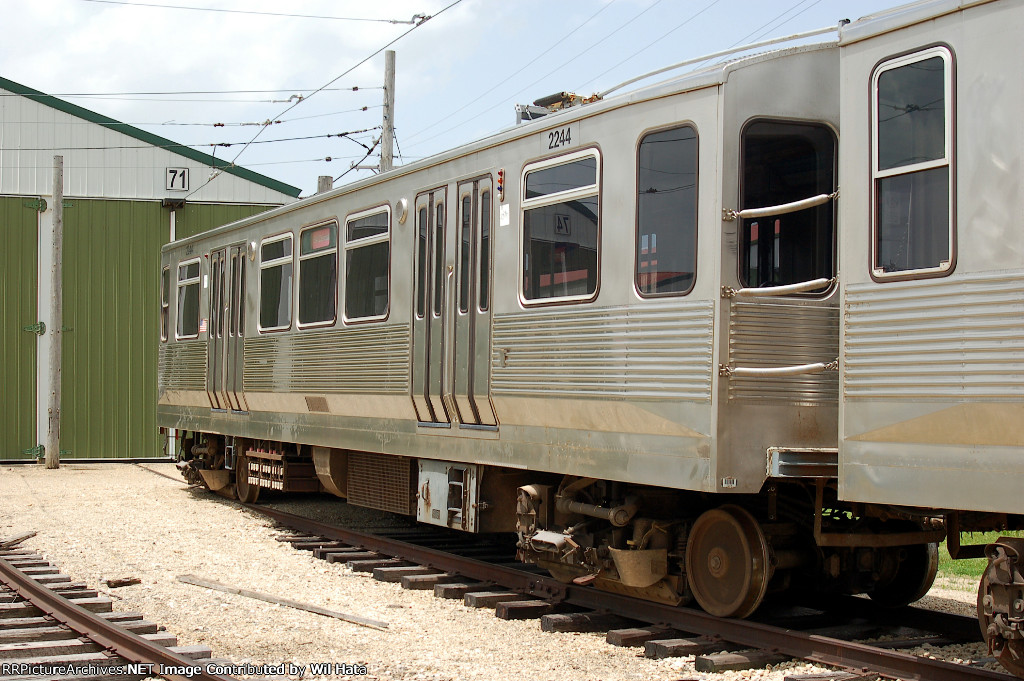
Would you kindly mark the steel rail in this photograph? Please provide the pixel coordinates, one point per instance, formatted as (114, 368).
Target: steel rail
(113, 638)
(815, 648)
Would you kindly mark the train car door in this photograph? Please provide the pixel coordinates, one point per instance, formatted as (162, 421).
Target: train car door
(235, 342)
(472, 316)
(428, 310)
(215, 340)
(225, 342)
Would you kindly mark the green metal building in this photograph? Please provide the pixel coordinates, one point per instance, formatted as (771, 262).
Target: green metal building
(124, 197)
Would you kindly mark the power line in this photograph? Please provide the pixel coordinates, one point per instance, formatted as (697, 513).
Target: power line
(266, 122)
(558, 68)
(354, 88)
(416, 18)
(558, 43)
(422, 21)
(652, 43)
(347, 135)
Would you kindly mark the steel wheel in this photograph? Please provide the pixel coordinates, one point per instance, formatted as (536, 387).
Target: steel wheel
(727, 562)
(913, 578)
(1010, 653)
(247, 493)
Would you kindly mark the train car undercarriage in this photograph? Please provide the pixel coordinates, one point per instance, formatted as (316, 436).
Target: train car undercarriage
(671, 546)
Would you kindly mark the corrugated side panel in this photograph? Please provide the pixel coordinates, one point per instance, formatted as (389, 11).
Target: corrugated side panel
(196, 218)
(763, 335)
(182, 365)
(380, 481)
(938, 339)
(654, 350)
(369, 359)
(18, 265)
(111, 311)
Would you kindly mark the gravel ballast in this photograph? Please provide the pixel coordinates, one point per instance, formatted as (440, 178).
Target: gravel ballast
(102, 521)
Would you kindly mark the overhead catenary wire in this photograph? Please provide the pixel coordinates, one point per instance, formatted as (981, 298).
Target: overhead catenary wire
(419, 23)
(174, 145)
(652, 43)
(153, 5)
(560, 67)
(260, 123)
(561, 41)
(354, 88)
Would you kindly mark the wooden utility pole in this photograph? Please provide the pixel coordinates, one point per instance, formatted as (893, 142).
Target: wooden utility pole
(387, 137)
(56, 315)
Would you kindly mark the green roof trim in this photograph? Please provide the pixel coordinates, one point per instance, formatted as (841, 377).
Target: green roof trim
(148, 137)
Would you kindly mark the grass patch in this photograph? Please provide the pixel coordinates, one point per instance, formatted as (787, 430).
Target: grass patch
(973, 567)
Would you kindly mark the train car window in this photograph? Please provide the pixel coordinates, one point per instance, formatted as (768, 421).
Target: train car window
(485, 250)
(912, 126)
(465, 237)
(165, 302)
(421, 262)
(188, 300)
(438, 258)
(784, 162)
(666, 212)
(218, 308)
(367, 265)
(240, 297)
(561, 178)
(318, 274)
(560, 228)
(276, 283)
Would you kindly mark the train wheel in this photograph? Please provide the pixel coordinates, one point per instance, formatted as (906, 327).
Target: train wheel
(913, 577)
(247, 493)
(727, 562)
(1011, 653)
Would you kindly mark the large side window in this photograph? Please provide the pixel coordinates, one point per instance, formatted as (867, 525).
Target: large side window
(666, 212)
(188, 299)
(786, 162)
(560, 228)
(367, 265)
(911, 164)
(165, 302)
(318, 274)
(276, 283)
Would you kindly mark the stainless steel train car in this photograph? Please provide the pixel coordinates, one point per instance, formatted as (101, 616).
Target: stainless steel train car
(643, 332)
(931, 257)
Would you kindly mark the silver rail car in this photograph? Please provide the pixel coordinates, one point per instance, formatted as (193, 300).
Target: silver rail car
(615, 330)
(932, 262)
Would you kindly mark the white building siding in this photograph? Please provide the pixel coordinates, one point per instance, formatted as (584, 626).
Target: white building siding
(103, 163)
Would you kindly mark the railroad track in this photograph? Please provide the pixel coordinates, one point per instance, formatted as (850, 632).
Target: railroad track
(53, 628)
(817, 634)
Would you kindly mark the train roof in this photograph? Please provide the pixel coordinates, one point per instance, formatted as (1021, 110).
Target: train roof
(896, 18)
(698, 79)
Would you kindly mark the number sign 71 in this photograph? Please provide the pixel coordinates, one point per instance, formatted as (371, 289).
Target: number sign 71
(177, 179)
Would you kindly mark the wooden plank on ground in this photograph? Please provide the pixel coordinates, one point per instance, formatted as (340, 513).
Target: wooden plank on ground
(11, 542)
(354, 619)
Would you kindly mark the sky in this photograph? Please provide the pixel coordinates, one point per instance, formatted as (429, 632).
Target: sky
(178, 72)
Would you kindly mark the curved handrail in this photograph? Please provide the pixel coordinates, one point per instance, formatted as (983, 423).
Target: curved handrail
(776, 372)
(781, 209)
(769, 291)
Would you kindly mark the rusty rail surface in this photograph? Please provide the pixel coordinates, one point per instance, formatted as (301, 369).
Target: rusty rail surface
(815, 648)
(113, 638)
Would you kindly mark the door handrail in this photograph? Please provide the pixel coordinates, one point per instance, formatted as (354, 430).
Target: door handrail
(729, 214)
(769, 291)
(775, 372)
